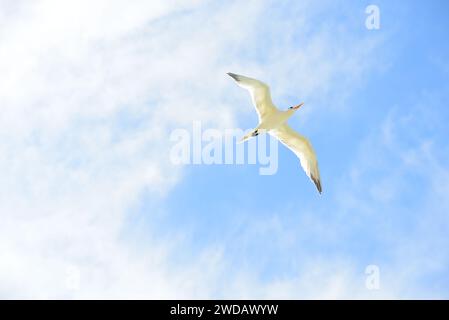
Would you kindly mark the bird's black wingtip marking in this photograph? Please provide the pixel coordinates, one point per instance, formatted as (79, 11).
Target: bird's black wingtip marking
(317, 184)
(233, 75)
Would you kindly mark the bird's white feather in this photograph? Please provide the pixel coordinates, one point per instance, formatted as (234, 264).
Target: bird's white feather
(302, 148)
(260, 94)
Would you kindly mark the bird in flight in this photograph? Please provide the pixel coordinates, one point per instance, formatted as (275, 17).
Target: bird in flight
(274, 121)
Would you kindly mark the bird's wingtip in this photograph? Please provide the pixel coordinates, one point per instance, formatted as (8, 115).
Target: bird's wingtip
(233, 75)
(317, 183)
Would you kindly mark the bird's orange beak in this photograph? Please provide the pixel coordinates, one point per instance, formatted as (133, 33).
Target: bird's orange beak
(298, 106)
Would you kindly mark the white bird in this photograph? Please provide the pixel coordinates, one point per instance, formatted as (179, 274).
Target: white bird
(274, 121)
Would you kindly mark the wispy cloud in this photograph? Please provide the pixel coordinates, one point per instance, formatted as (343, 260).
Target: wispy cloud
(87, 106)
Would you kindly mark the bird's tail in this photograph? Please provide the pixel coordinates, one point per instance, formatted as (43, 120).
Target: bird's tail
(248, 136)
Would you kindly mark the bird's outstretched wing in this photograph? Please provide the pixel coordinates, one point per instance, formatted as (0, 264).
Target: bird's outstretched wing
(303, 150)
(260, 94)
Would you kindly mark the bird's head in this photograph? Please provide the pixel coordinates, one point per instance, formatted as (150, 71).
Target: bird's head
(296, 107)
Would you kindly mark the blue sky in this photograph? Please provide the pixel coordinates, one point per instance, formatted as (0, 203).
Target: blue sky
(92, 202)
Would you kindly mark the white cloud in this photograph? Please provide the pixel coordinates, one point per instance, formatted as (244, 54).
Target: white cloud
(89, 92)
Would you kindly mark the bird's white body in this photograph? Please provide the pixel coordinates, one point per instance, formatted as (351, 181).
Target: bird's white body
(274, 121)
